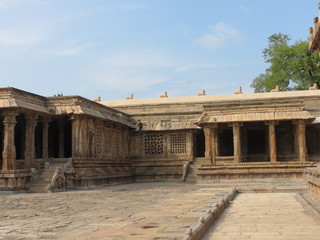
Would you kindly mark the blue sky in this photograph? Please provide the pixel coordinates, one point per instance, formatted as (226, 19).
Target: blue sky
(112, 48)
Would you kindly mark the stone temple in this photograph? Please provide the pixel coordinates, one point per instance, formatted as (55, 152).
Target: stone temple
(69, 142)
(258, 135)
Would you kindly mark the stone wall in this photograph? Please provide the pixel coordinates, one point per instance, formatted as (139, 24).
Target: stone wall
(100, 152)
(312, 176)
(160, 155)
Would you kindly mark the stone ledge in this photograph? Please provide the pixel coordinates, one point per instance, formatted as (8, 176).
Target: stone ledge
(310, 203)
(198, 220)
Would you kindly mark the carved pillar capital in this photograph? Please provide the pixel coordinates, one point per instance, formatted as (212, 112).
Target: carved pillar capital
(207, 131)
(235, 124)
(273, 122)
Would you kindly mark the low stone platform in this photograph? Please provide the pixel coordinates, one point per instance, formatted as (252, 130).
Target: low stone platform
(159, 210)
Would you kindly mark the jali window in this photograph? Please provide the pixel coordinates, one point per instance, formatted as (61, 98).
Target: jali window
(153, 144)
(178, 143)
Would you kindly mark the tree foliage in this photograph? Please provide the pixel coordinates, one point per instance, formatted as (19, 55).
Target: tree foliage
(292, 67)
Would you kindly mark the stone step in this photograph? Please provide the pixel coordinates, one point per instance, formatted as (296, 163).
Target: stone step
(40, 182)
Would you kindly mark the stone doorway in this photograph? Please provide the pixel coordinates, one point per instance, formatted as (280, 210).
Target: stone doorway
(256, 145)
(60, 138)
(225, 139)
(199, 144)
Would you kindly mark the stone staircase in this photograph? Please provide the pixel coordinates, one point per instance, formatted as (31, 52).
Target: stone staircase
(41, 181)
(192, 176)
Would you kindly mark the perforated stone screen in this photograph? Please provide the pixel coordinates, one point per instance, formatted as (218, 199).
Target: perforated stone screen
(178, 143)
(153, 144)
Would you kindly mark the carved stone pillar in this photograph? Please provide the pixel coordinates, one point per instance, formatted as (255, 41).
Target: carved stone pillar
(214, 147)
(61, 138)
(301, 135)
(236, 126)
(30, 151)
(45, 127)
(9, 150)
(76, 136)
(208, 143)
(272, 141)
(190, 144)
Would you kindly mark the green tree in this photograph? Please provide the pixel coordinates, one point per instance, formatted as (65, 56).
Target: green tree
(292, 67)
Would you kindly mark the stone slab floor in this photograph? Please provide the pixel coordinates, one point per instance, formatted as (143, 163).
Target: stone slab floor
(150, 210)
(265, 216)
(130, 211)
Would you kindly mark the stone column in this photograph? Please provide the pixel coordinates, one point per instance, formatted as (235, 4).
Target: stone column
(9, 150)
(236, 142)
(272, 141)
(61, 138)
(190, 142)
(76, 136)
(208, 143)
(45, 151)
(302, 147)
(30, 151)
(214, 147)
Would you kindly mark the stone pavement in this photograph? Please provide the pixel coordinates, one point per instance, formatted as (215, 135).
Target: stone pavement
(265, 216)
(130, 211)
(159, 211)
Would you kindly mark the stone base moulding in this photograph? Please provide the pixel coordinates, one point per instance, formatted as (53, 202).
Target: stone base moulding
(11, 180)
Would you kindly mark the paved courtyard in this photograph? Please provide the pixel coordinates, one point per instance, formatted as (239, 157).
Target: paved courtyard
(152, 211)
(131, 211)
(265, 216)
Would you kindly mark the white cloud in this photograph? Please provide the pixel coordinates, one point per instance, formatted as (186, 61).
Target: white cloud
(221, 33)
(73, 51)
(21, 37)
(8, 4)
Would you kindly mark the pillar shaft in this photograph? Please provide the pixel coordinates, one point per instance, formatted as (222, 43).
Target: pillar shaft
(208, 143)
(76, 136)
(302, 148)
(30, 150)
(9, 150)
(214, 144)
(272, 141)
(190, 144)
(236, 142)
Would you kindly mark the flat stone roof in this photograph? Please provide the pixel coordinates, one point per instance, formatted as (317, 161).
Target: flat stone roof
(213, 98)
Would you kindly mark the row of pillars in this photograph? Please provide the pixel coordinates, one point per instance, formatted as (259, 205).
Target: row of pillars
(212, 147)
(9, 150)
